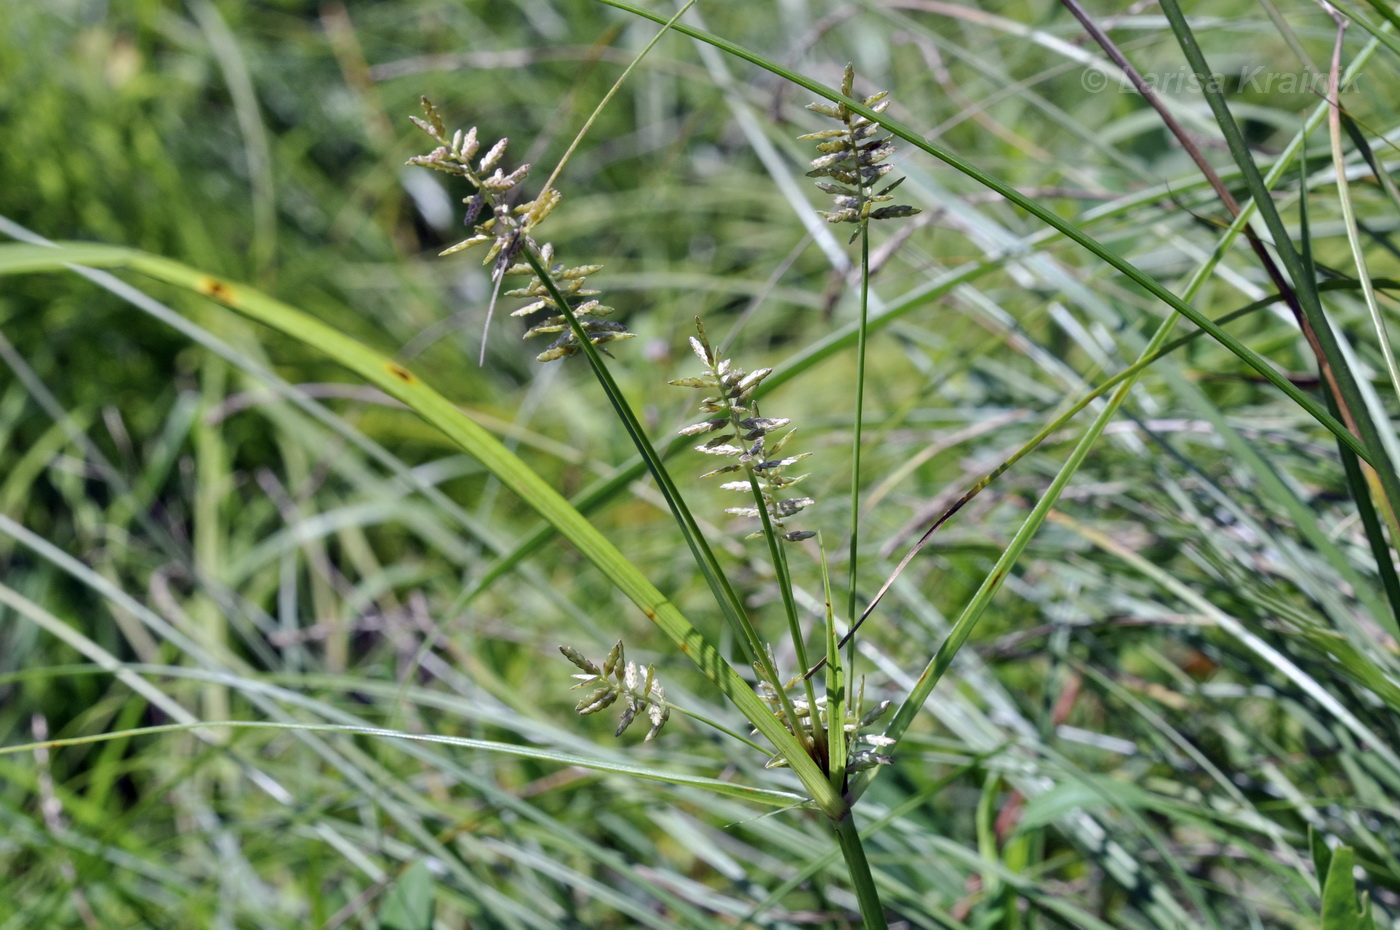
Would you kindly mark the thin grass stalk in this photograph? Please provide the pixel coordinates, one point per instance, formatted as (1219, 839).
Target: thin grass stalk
(766, 796)
(1391, 20)
(984, 828)
(612, 91)
(1334, 126)
(714, 724)
(783, 577)
(837, 705)
(853, 167)
(872, 912)
(1371, 524)
(862, 336)
(1357, 475)
(209, 530)
(914, 802)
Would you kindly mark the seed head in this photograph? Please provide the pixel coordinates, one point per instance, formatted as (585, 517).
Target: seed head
(618, 678)
(744, 436)
(853, 160)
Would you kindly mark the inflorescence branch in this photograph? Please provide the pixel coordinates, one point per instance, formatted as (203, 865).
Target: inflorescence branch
(508, 230)
(854, 160)
(618, 678)
(743, 436)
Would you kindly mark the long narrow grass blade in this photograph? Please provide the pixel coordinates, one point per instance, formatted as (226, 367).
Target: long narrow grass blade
(402, 384)
(765, 796)
(1335, 368)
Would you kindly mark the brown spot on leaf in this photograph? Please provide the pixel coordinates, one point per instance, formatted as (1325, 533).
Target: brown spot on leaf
(400, 372)
(219, 290)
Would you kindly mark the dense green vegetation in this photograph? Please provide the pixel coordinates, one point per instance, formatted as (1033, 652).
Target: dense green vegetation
(1163, 639)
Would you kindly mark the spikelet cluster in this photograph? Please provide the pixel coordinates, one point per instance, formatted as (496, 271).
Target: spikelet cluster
(856, 719)
(508, 229)
(742, 435)
(618, 678)
(854, 160)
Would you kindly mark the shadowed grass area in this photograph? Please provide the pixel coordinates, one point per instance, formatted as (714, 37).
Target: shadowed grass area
(1142, 674)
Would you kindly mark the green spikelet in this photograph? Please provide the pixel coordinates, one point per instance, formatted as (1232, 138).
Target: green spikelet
(618, 678)
(507, 230)
(742, 435)
(854, 158)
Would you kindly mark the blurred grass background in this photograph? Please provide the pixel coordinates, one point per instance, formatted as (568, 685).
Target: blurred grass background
(1116, 745)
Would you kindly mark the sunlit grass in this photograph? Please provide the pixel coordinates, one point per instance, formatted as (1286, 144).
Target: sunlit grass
(1190, 666)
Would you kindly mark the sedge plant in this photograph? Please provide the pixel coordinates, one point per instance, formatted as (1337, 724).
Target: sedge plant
(825, 729)
(1237, 796)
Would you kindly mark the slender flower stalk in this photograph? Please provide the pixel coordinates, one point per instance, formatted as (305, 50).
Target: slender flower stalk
(852, 165)
(742, 434)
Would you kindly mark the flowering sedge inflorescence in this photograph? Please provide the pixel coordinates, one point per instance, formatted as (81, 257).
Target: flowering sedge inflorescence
(854, 161)
(856, 719)
(743, 435)
(638, 688)
(508, 230)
